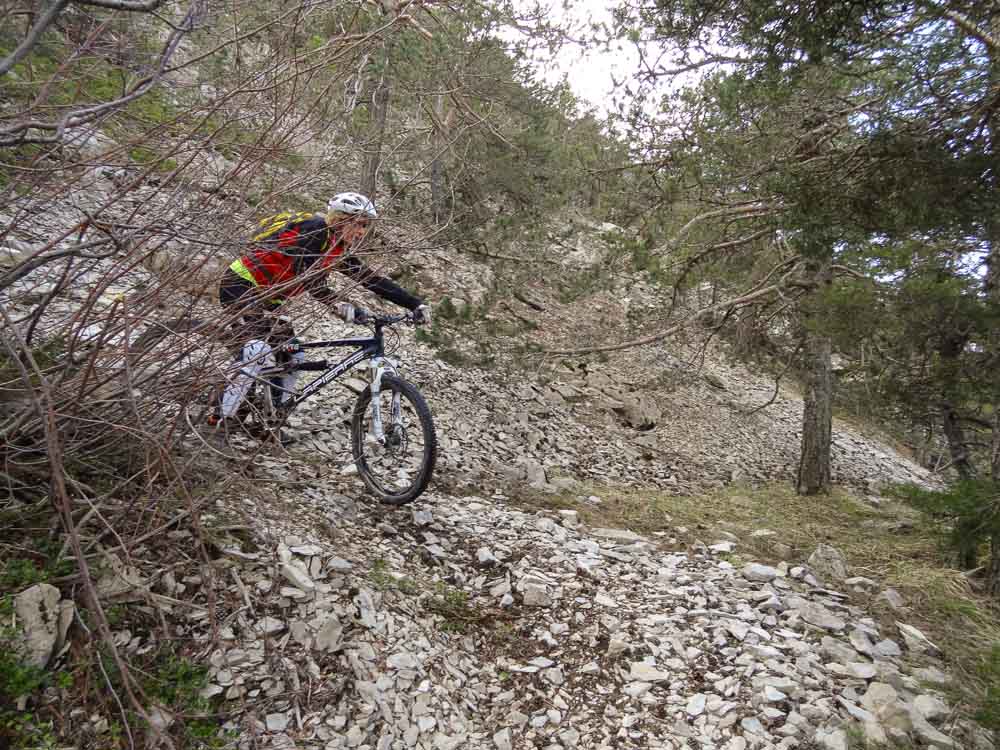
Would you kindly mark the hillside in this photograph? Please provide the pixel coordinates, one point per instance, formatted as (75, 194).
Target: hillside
(494, 612)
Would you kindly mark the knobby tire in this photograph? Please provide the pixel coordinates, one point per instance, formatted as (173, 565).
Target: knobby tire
(429, 457)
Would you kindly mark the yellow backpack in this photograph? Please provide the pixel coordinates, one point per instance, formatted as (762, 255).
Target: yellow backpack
(270, 227)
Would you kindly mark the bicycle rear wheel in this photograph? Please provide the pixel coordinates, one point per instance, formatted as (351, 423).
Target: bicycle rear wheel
(257, 417)
(397, 466)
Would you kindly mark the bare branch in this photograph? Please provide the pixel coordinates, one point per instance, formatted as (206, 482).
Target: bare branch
(131, 5)
(967, 25)
(742, 301)
(41, 259)
(11, 136)
(739, 212)
(43, 22)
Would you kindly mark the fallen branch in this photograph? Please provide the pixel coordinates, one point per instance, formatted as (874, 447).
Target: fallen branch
(529, 302)
(498, 256)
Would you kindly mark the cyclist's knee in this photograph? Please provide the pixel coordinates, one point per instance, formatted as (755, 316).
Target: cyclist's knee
(254, 349)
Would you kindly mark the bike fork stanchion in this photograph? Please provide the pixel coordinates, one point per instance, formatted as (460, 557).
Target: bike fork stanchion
(377, 429)
(379, 366)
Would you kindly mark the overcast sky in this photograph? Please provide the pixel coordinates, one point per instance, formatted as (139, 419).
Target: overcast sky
(589, 75)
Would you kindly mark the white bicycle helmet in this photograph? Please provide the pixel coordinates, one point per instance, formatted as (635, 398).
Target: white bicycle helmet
(352, 204)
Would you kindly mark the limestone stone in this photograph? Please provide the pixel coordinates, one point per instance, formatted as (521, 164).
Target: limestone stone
(930, 707)
(883, 701)
(37, 609)
(535, 594)
(831, 739)
(828, 562)
(760, 573)
(502, 740)
(643, 672)
(276, 722)
(916, 641)
(696, 705)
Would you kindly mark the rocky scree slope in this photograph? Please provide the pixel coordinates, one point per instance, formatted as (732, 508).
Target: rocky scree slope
(466, 622)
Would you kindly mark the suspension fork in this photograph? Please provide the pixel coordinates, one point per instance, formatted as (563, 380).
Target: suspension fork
(378, 367)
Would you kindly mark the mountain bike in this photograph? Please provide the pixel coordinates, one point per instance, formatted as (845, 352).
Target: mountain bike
(393, 440)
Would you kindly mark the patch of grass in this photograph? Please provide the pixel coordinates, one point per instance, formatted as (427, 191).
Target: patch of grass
(383, 579)
(456, 358)
(176, 683)
(733, 559)
(446, 309)
(453, 606)
(988, 713)
(438, 338)
(432, 335)
(582, 283)
(799, 522)
(46, 355)
(145, 157)
(35, 558)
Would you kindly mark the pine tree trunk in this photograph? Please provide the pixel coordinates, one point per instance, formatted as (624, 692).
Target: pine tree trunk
(380, 113)
(817, 417)
(995, 444)
(993, 567)
(955, 436)
(991, 285)
(992, 289)
(439, 197)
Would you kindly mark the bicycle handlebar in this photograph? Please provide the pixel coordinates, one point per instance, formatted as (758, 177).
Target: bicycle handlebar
(387, 320)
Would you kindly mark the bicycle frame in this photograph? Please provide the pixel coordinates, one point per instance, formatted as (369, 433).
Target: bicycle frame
(372, 349)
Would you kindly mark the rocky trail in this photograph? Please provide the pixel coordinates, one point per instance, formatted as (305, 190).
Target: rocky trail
(468, 622)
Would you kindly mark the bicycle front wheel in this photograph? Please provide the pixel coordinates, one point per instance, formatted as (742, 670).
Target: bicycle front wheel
(395, 461)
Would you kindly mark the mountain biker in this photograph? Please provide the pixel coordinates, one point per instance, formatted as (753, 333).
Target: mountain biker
(258, 283)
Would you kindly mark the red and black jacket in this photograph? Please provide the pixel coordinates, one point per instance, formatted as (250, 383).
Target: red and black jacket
(305, 252)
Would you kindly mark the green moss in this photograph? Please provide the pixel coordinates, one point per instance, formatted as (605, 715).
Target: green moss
(39, 562)
(146, 157)
(19, 573)
(22, 731)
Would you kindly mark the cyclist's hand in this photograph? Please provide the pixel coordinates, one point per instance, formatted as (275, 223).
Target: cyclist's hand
(422, 315)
